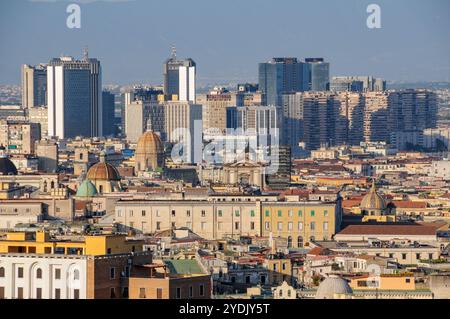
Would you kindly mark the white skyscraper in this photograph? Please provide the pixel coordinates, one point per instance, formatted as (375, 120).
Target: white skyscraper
(74, 97)
(187, 82)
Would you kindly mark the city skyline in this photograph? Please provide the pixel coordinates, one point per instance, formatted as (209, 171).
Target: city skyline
(342, 38)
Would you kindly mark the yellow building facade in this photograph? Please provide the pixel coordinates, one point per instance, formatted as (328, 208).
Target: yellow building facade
(42, 243)
(301, 222)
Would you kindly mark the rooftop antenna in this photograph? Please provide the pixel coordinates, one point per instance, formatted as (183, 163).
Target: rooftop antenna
(85, 53)
(174, 52)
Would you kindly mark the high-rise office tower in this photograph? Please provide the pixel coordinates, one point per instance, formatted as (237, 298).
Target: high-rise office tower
(179, 78)
(264, 122)
(215, 106)
(280, 76)
(108, 113)
(141, 115)
(74, 97)
(310, 119)
(345, 84)
(183, 124)
(369, 84)
(34, 85)
(319, 74)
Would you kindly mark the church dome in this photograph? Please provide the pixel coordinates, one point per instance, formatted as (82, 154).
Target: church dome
(373, 200)
(7, 167)
(86, 189)
(149, 144)
(103, 171)
(331, 286)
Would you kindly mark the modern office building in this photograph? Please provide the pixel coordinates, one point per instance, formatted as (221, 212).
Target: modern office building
(34, 86)
(215, 106)
(183, 125)
(74, 96)
(179, 78)
(353, 83)
(143, 115)
(108, 114)
(318, 74)
(280, 76)
(345, 84)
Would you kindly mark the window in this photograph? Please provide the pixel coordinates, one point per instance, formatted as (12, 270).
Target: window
(290, 226)
(191, 291)
(280, 225)
(408, 280)
(173, 213)
(188, 213)
(39, 273)
(267, 225)
(2, 272)
(300, 241)
(20, 272)
(418, 256)
(203, 225)
(112, 273)
(289, 242)
(113, 293)
(131, 213)
(300, 213)
(125, 292)
(290, 213)
(237, 213)
(142, 293)
(252, 225)
(236, 225)
(430, 256)
(247, 279)
(252, 213)
(325, 213)
(57, 273)
(108, 251)
(220, 213)
(391, 255)
(143, 213)
(76, 293)
(313, 225)
(403, 256)
(203, 213)
(280, 213)
(158, 225)
(202, 290)
(2, 292)
(178, 293)
(313, 213)
(57, 293)
(267, 213)
(119, 213)
(325, 226)
(300, 226)
(159, 293)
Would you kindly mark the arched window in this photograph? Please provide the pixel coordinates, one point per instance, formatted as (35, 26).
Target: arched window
(2, 272)
(52, 185)
(100, 189)
(300, 242)
(39, 273)
(76, 274)
(289, 243)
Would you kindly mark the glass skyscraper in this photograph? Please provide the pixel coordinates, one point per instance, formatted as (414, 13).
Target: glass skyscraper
(319, 74)
(282, 75)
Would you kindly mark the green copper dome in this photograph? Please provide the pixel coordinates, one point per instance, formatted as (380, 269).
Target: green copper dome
(86, 189)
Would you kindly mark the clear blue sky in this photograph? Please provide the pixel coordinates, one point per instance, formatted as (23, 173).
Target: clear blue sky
(228, 38)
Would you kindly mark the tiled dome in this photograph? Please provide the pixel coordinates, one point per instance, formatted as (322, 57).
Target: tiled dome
(6, 166)
(331, 286)
(103, 171)
(373, 200)
(86, 189)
